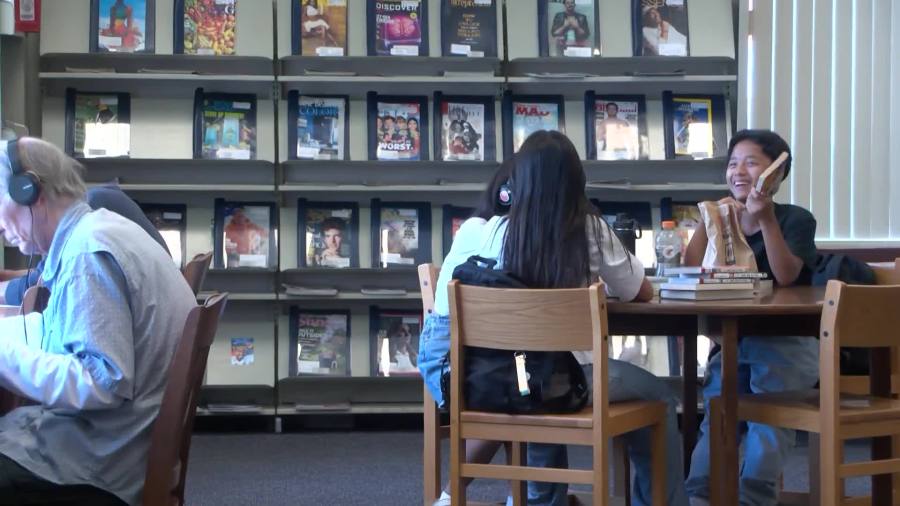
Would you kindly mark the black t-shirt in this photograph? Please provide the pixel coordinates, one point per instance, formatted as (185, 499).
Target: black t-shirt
(798, 227)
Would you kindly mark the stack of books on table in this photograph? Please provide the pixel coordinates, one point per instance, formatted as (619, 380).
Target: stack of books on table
(713, 283)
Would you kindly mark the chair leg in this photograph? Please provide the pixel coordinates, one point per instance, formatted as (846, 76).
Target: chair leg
(600, 492)
(815, 464)
(621, 470)
(431, 454)
(658, 464)
(831, 486)
(715, 450)
(515, 456)
(457, 457)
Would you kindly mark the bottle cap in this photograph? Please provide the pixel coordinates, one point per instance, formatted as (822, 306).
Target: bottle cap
(668, 225)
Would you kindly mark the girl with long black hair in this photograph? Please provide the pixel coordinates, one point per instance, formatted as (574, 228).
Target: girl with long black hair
(552, 237)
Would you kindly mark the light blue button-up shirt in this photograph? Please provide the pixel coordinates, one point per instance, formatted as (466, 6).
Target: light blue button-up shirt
(116, 313)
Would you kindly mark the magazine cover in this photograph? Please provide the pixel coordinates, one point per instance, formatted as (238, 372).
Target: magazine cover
(524, 115)
(98, 124)
(660, 28)
(245, 234)
(242, 351)
(320, 342)
(398, 126)
(694, 125)
(205, 27)
(224, 126)
(454, 217)
(401, 233)
(394, 343)
(328, 235)
(568, 28)
(397, 27)
(466, 131)
(319, 127)
(469, 28)
(123, 26)
(171, 222)
(617, 127)
(319, 27)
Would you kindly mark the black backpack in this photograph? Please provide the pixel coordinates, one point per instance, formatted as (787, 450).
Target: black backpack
(854, 361)
(556, 381)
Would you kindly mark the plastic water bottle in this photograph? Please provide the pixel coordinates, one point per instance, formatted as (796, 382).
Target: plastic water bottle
(668, 248)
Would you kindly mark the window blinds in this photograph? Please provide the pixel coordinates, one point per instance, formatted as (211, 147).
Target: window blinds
(825, 74)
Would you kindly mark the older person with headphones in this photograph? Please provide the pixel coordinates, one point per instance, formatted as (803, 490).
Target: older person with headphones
(99, 366)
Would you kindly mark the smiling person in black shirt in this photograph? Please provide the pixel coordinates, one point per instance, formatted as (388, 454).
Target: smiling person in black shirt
(782, 237)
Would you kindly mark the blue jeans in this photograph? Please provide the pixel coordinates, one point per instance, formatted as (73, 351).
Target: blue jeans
(434, 343)
(626, 382)
(773, 364)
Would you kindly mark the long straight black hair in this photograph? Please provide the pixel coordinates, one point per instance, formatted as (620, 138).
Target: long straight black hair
(546, 241)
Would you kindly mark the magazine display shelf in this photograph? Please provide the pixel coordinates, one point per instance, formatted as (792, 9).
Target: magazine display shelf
(356, 76)
(156, 75)
(349, 395)
(170, 80)
(648, 75)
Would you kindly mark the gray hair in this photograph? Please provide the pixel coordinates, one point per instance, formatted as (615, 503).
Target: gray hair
(59, 174)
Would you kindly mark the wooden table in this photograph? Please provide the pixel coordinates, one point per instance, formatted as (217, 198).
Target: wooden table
(793, 311)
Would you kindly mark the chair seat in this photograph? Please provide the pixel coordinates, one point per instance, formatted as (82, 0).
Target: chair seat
(620, 414)
(800, 410)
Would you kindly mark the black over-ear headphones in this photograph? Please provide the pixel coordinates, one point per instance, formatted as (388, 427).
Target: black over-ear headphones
(505, 194)
(24, 185)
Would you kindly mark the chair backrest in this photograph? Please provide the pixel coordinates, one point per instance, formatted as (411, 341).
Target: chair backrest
(525, 319)
(171, 436)
(195, 271)
(529, 320)
(888, 275)
(428, 276)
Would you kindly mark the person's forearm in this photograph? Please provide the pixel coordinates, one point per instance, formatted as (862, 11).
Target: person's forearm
(696, 249)
(785, 265)
(56, 381)
(6, 275)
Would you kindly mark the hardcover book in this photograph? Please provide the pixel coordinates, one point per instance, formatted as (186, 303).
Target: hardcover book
(568, 28)
(320, 342)
(466, 130)
(397, 27)
(469, 28)
(327, 234)
(205, 27)
(401, 233)
(660, 28)
(224, 126)
(394, 342)
(123, 26)
(525, 114)
(319, 27)
(98, 124)
(398, 127)
(616, 127)
(245, 234)
(171, 222)
(318, 127)
(694, 125)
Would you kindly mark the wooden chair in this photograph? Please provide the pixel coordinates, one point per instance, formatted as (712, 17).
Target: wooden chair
(856, 385)
(195, 271)
(853, 316)
(543, 320)
(170, 440)
(433, 431)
